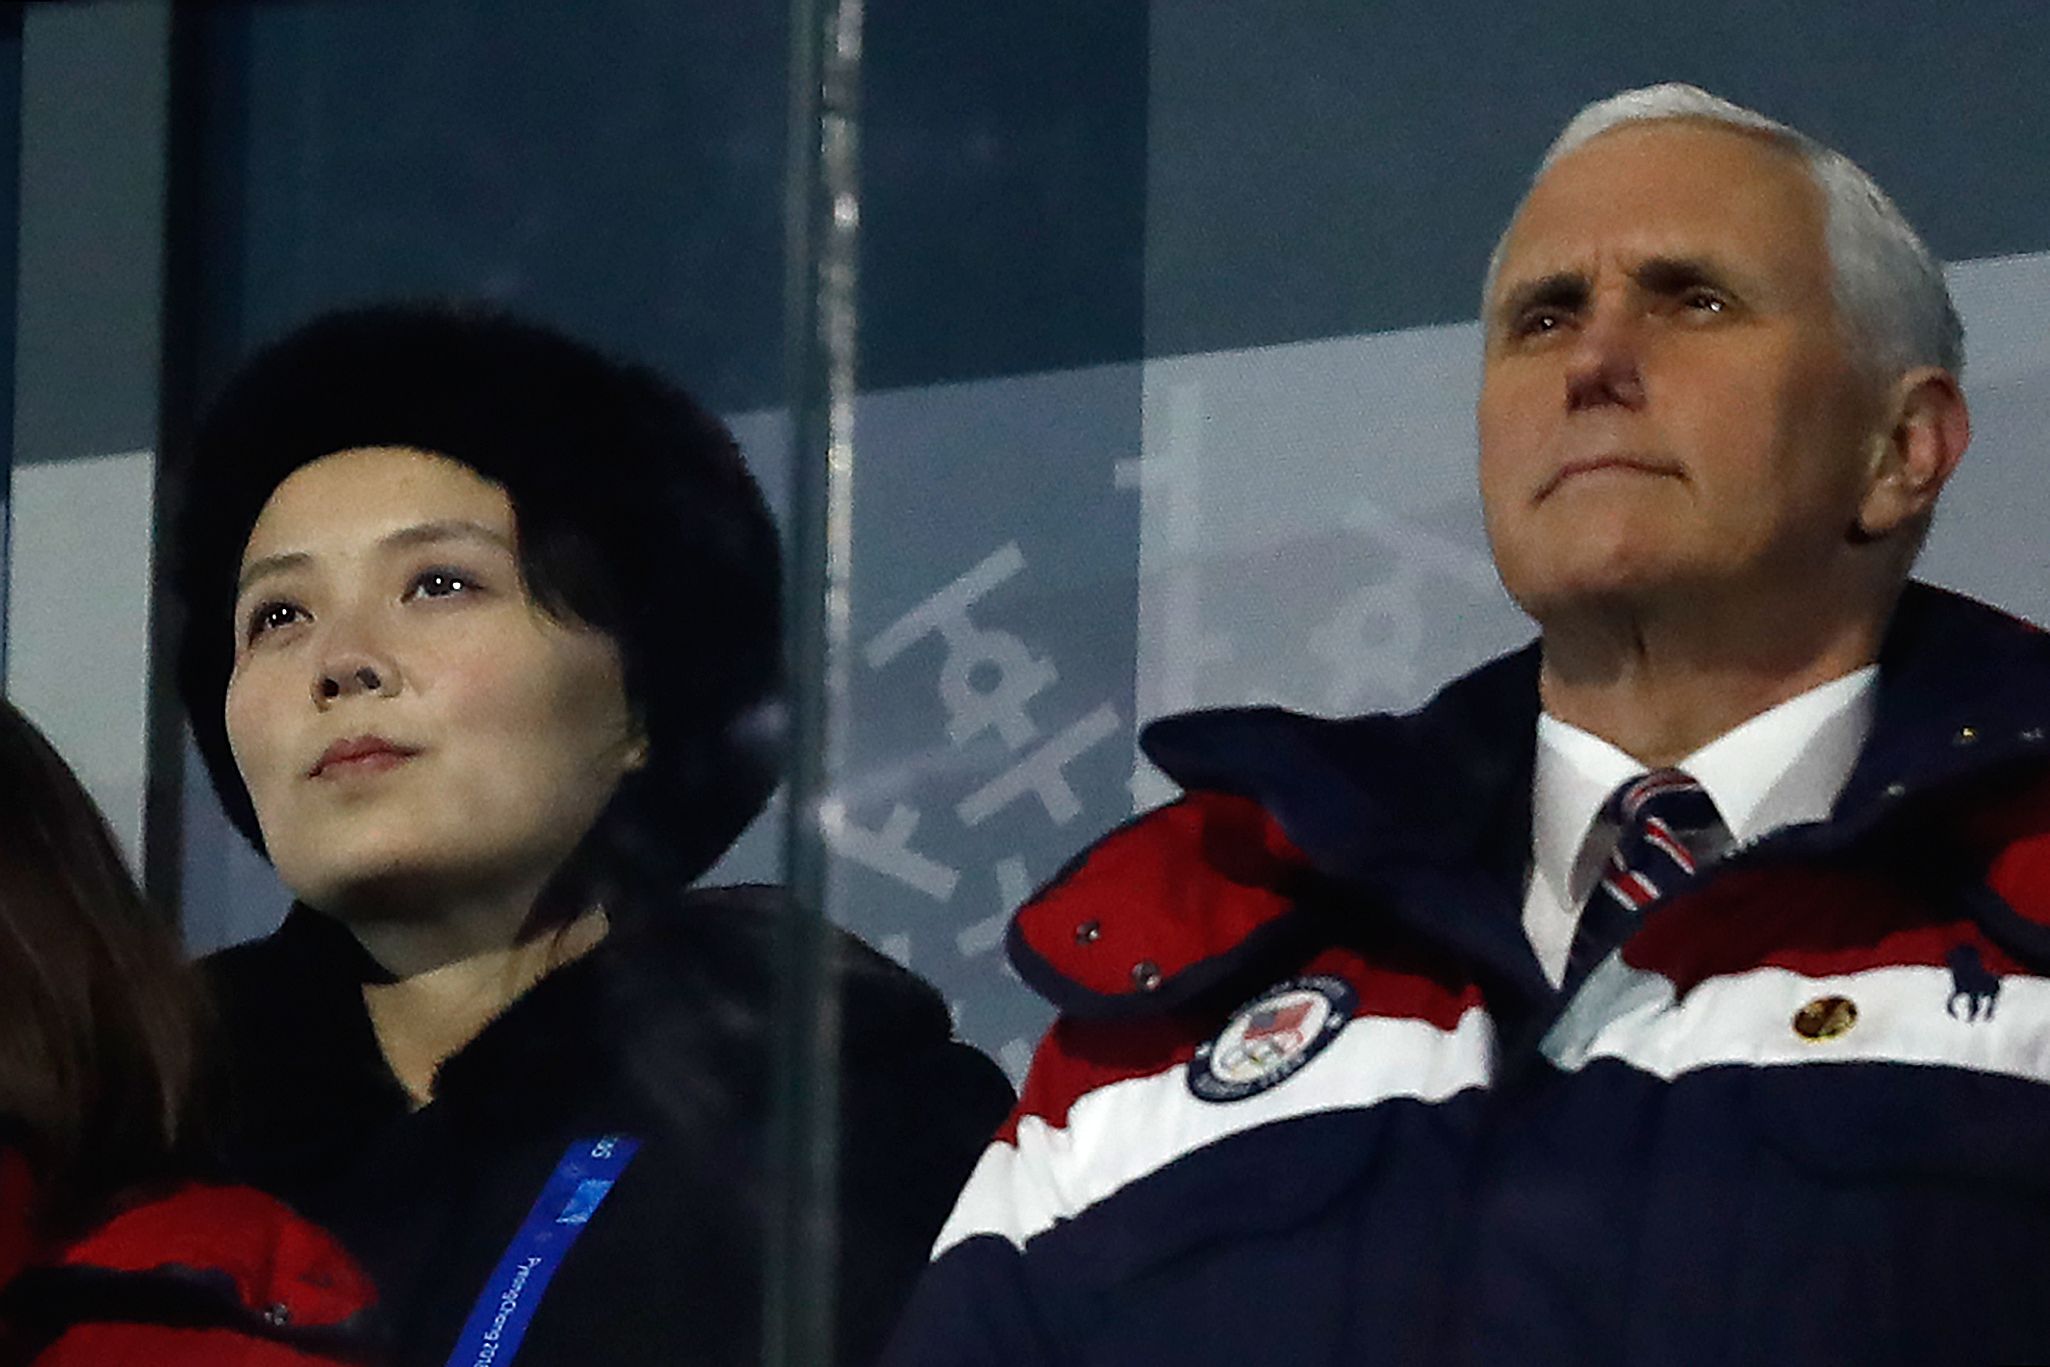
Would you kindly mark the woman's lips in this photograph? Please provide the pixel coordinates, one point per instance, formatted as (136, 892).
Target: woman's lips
(361, 755)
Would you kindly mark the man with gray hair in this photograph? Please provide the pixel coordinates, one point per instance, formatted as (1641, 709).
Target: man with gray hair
(1671, 990)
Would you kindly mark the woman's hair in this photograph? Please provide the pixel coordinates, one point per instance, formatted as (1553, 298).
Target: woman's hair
(99, 1014)
(635, 515)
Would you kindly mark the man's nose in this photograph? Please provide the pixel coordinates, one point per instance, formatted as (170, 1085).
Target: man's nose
(1604, 366)
(352, 662)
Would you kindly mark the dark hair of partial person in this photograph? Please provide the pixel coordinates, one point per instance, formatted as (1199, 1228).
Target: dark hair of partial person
(635, 515)
(99, 1014)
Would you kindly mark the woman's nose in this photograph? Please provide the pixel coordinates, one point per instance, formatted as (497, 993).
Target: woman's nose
(352, 668)
(364, 678)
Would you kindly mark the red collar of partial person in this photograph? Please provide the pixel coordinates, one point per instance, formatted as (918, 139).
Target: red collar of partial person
(194, 1274)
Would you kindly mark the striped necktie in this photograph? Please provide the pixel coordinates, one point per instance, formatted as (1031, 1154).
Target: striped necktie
(1666, 824)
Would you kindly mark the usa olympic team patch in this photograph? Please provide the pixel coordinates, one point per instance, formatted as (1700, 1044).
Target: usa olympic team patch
(1271, 1037)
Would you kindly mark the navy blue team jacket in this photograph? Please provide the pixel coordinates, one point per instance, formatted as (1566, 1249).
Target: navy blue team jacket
(1311, 1100)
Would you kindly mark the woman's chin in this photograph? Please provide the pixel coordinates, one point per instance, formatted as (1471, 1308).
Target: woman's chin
(386, 889)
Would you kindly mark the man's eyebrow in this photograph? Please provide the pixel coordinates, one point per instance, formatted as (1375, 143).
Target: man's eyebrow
(1562, 289)
(1673, 274)
(420, 534)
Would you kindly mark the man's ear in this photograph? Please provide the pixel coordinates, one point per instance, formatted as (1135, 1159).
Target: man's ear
(1925, 431)
(634, 757)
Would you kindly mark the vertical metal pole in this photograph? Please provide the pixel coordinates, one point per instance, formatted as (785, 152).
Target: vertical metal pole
(190, 135)
(822, 222)
(10, 272)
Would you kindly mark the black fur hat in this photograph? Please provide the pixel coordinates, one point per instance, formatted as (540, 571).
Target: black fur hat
(635, 515)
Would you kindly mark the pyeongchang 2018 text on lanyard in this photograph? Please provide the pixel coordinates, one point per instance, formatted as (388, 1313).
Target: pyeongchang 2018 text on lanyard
(571, 1196)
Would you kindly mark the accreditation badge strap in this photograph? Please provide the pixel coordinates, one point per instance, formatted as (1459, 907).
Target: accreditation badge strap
(571, 1196)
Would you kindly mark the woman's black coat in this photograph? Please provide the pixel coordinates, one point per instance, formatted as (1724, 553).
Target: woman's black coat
(661, 1031)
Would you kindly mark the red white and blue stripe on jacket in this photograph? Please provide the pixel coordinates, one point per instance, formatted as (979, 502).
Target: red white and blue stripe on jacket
(1804, 1111)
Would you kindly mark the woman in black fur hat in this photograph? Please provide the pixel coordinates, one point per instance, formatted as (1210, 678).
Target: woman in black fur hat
(481, 648)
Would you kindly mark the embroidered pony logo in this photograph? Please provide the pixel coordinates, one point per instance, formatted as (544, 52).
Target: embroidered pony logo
(1971, 984)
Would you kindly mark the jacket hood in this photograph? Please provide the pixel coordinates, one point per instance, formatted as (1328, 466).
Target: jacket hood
(1428, 810)
(1357, 792)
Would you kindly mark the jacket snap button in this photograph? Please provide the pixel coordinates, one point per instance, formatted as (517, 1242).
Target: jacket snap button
(1896, 789)
(278, 1316)
(1145, 975)
(2033, 734)
(1965, 735)
(1825, 1018)
(1086, 933)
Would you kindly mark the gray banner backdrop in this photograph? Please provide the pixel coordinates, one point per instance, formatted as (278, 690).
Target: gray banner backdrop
(1063, 527)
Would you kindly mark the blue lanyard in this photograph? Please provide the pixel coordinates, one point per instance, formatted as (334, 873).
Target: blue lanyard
(499, 1321)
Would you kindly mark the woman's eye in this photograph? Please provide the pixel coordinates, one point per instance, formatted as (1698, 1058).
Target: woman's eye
(1538, 322)
(1705, 301)
(268, 617)
(440, 584)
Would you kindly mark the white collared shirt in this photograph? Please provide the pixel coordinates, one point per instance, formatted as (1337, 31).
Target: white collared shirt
(1784, 765)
